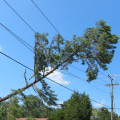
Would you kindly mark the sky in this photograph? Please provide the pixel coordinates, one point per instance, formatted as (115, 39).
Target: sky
(69, 18)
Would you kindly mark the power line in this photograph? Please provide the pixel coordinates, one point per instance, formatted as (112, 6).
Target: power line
(46, 77)
(18, 38)
(45, 16)
(77, 68)
(16, 61)
(103, 74)
(84, 71)
(18, 15)
(84, 81)
(60, 84)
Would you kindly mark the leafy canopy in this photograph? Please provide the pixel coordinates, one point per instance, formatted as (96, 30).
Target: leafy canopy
(78, 107)
(95, 49)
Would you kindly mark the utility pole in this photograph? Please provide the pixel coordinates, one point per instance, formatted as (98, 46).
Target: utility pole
(111, 94)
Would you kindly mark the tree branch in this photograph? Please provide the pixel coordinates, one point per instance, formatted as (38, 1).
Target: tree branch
(31, 84)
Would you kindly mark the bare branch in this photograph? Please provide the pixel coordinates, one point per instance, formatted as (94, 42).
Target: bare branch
(25, 78)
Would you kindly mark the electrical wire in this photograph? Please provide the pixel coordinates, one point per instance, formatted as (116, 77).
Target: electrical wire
(84, 71)
(85, 82)
(103, 74)
(18, 15)
(77, 68)
(16, 61)
(45, 16)
(47, 77)
(18, 38)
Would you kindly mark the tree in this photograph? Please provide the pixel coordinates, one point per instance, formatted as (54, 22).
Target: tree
(3, 111)
(78, 107)
(95, 49)
(10, 110)
(14, 110)
(104, 114)
(29, 107)
(95, 114)
(33, 106)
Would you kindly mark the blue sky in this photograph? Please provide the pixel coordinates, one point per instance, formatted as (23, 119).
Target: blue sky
(70, 18)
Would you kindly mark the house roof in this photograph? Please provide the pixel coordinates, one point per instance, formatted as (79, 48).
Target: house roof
(34, 118)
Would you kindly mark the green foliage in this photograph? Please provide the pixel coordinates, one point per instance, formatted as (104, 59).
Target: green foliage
(34, 108)
(29, 107)
(103, 114)
(3, 111)
(78, 107)
(10, 109)
(95, 48)
(60, 115)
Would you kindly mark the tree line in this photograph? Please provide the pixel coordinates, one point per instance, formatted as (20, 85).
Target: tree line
(77, 107)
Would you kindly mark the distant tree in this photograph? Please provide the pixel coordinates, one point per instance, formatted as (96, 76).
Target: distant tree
(58, 115)
(95, 114)
(3, 111)
(10, 110)
(78, 107)
(104, 114)
(33, 106)
(14, 110)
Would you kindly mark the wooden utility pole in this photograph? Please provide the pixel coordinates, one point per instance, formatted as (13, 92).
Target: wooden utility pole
(111, 94)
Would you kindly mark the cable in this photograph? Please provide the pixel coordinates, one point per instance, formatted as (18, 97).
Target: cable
(19, 15)
(84, 81)
(18, 38)
(16, 61)
(60, 84)
(47, 77)
(104, 74)
(44, 16)
(84, 72)
(77, 68)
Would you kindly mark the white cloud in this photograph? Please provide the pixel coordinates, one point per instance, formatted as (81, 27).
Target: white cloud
(99, 104)
(57, 76)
